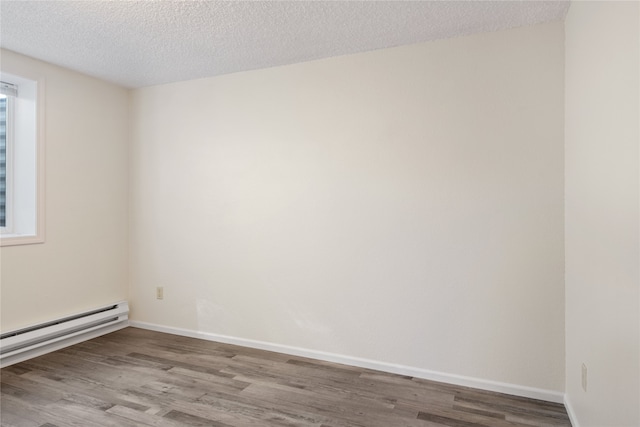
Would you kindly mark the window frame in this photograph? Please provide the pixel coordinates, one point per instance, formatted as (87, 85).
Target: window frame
(35, 233)
(10, 105)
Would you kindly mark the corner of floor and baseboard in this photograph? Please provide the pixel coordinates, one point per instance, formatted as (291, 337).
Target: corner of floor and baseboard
(570, 411)
(478, 383)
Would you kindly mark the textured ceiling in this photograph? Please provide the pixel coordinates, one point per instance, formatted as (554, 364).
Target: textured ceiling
(142, 43)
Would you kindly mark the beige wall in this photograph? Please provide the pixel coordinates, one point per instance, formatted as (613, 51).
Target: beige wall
(84, 262)
(403, 205)
(602, 215)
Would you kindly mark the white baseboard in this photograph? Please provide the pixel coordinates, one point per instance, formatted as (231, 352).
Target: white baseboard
(570, 412)
(513, 389)
(58, 345)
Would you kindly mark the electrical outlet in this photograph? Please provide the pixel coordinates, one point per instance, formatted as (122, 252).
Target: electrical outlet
(584, 377)
(159, 292)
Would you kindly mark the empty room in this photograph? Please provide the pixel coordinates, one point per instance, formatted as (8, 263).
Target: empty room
(320, 213)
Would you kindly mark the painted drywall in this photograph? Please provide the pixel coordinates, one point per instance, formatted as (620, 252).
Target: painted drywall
(403, 205)
(83, 263)
(602, 214)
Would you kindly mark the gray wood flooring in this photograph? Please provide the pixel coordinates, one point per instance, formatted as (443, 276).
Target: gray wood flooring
(136, 377)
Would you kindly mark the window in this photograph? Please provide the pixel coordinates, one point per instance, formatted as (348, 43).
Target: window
(21, 161)
(3, 161)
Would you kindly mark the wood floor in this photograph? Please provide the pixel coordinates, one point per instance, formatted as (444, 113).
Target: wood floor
(135, 377)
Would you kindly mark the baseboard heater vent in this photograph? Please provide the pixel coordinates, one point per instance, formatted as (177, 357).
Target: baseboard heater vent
(32, 341)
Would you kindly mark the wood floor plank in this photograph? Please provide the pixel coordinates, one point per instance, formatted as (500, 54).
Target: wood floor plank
(193, 420)
(142, 418)
(15, 412)
(136, 377)
(117, 397)
(262, 410)
(353, 411)
(29, 390)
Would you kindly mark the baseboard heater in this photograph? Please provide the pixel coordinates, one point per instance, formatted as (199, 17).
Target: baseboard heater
(22, 344)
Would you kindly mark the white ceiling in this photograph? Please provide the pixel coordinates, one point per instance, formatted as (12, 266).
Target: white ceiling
(142, 43)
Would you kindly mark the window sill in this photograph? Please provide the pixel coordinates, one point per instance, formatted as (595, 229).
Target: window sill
(20, 239)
